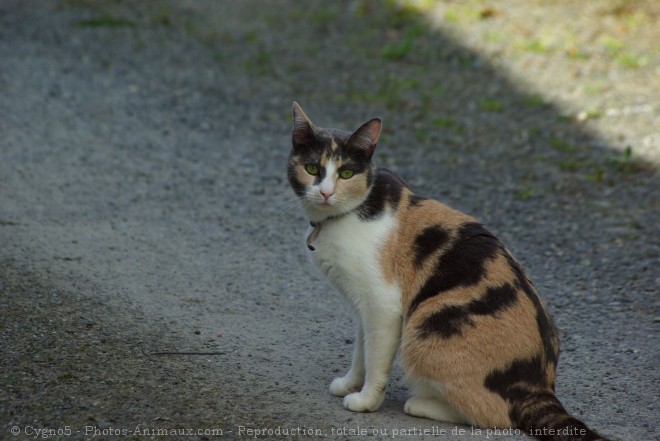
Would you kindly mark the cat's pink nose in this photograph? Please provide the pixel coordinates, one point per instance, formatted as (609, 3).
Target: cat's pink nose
(326, 194)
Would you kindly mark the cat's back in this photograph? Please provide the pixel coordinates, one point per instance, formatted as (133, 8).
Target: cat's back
(424, 229)
(444, 260)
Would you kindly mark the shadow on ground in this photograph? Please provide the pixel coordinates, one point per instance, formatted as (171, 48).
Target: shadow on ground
(147, 211)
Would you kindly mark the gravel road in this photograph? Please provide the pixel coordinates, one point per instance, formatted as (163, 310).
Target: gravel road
(153, 274)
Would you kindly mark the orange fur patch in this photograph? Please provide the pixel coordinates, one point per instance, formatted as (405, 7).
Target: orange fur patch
(458, 364)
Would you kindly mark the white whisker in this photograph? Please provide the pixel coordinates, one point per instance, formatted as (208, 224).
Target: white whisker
(292, 204)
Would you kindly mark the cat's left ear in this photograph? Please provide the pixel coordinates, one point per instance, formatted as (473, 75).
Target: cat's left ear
(366, 137)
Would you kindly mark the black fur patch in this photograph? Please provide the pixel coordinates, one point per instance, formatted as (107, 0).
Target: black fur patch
(386, 190)
(534, 408)
(326, 137)
(371, 176)
(431, 239)
(446, 323)
(515, 382)
(298, 187)
(320, 144)
(321, 176)
(464, 264)
(416, 200)
(356, 166)
(450, 320)
(546, 326)
(496, 300)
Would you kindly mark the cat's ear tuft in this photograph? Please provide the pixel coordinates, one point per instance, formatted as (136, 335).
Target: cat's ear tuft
(366, 137)
(303, 129)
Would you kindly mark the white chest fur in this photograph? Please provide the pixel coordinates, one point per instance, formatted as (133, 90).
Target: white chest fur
(348, 251)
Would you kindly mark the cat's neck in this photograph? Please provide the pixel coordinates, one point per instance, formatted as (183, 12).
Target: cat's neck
(315, 219)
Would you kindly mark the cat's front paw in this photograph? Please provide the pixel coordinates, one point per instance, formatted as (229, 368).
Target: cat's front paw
(359, 402)
(343, 386)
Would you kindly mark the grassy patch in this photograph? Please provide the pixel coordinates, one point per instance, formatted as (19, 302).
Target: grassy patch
(595, 87)
(325, 15)
(611, 44)
(496, 36)
(391, 92)
(260, 63)
(534, 45)
(562, 145)
(625, 162)
(402, 15)
(570, 165)
(618, 52)
(525, 192)
(464, 13)
(534, 101)
(449, 124)
(490, 105)
(597, 175)
(401, 48)
(252, 37)
(106, 21)
(576, 53)
(632, 61)
(564, 118)
(592, 113)
(422, 134)
(397, 50)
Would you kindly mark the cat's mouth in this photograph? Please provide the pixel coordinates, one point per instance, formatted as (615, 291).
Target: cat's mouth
(324, 203)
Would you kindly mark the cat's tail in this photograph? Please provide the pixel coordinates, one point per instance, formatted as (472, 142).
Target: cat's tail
(542, 415)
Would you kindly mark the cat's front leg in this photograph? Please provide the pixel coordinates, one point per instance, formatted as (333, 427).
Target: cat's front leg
(354, 379)
(382, 333)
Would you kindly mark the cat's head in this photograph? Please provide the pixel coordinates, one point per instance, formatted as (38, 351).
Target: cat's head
(331, 170)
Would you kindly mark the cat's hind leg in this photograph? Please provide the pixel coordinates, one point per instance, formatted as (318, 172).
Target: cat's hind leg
(433, 408)
(354, 379)
(427, 402)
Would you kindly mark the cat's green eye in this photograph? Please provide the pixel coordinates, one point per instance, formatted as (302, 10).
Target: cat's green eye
(347, 173)
(312, 169)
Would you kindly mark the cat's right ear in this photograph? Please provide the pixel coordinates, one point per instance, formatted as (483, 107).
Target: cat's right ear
(303, 130)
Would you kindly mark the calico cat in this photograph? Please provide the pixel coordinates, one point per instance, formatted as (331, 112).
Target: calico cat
(477, 344)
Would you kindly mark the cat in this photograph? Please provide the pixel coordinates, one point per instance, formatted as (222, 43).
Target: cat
(476, 343)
